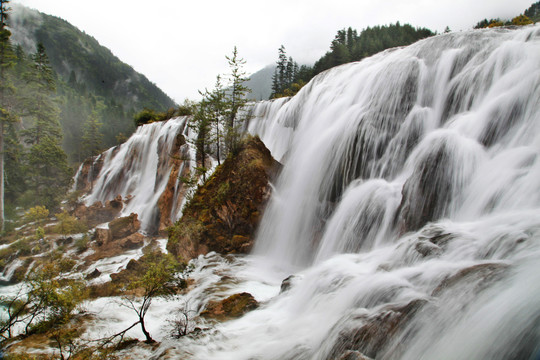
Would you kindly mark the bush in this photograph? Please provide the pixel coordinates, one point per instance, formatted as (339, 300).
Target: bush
(81, 244)
(521, 20)
(68, 224)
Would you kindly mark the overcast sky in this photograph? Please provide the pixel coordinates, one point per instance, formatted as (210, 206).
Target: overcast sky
(181, 45)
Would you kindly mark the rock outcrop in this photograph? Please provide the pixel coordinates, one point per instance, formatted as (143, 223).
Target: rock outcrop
(232, 307)
(88, 173)
(98, 213)
(223, 214)
(124, 226)
(375, 333)
(175, 190)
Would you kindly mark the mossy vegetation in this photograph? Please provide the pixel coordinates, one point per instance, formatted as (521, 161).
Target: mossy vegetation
(224, 212)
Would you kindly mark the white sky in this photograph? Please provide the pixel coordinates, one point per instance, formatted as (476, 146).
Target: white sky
(181, 45)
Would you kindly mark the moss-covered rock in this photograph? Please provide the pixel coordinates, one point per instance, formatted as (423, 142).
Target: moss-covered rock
(230, 308)
(224, 213)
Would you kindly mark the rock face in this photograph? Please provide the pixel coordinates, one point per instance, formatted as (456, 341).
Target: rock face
(88, 173)
(232, 307)
(169, 200)
(224, 213)
(98, 213)
(368, 340)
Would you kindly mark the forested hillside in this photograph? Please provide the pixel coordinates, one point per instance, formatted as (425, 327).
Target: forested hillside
(91, 81)
(346, 47)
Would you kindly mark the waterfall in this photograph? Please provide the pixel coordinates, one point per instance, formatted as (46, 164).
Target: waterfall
(448, 126)
(139, 170)
(408, 207)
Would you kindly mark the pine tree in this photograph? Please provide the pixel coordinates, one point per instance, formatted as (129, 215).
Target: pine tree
(92, 139)
(278, 80)
(48, 172)
(201, 123)
(6, 116)
(39, 105)
(217, 107)
(235, 99)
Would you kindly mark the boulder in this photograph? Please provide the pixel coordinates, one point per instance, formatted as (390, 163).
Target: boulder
(133, 241)
(232, 307)
(375, 332)
(124, 226)
(94, 274)
(102, 236)
(98, 213)
(287, 283)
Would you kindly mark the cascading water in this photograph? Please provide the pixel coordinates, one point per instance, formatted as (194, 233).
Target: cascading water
(408, 208)
(140, 169)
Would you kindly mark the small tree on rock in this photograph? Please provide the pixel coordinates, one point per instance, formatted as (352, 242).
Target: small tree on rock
(159, 280)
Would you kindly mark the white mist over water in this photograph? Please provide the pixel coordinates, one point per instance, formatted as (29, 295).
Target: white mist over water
(408, 207)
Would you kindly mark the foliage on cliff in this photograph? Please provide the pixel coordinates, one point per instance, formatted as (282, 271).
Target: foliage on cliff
(224, 212)
(529, 16)
(346, 47)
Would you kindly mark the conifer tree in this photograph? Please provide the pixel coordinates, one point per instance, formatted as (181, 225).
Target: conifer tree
(6, 116)
(39, 105)
(278, 80)
(92, 139)
(48, 172)
(201, 123)
(235, 99)
(217, 107)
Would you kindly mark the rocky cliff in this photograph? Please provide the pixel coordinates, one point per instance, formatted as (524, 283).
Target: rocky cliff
(224, 213)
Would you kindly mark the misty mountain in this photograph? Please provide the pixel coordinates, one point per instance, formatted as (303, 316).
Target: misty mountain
(260, 83)
(90, 79)
(72, 51)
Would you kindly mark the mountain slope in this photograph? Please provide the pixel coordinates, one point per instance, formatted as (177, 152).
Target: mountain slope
(90, 80)
(72, 51)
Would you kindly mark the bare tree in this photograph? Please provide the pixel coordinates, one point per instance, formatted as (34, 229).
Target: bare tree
(181, 324)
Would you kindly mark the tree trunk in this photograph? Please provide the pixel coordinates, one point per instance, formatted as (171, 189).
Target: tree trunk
(2, 176)
(149, 339)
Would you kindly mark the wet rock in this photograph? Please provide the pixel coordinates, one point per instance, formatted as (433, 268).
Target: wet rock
(98, 213)
(353, 355)
(437, 177)
(287, 283)
(124, 226)
(86, 177)
(375, 333)
(232, 307)
(102, 236)
(477, 276)
(427, 248)
(94, 274)
(175, 190)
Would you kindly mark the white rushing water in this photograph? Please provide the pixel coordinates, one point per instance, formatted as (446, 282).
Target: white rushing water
(140, 169)
(408, 208)
(408, 211)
